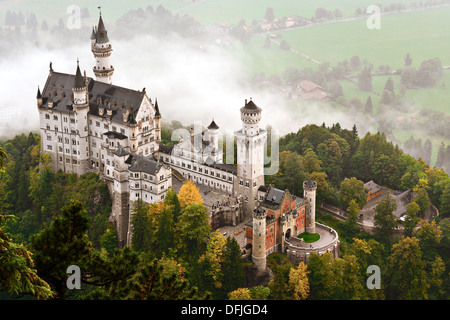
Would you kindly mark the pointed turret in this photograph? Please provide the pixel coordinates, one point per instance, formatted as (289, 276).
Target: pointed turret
(39, 98)
(101, 48)
(102, 34)
(157, 114)
(79, 80)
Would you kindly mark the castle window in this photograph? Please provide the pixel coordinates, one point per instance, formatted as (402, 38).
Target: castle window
(49, 147)
(72, 120)
(49, 138)
(247, 184)
(47, 116)
(241, 182)
(105, 126)
(55, 117)
(97, 123)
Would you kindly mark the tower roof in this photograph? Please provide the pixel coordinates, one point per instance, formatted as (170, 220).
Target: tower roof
(79, 81)
(250, 107)
(213, 125)
(157, 114)
(93, 34)
(102, 34)
(39, 95)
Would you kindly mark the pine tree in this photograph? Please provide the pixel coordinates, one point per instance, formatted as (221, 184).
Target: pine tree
(17, 268)
(232, 268)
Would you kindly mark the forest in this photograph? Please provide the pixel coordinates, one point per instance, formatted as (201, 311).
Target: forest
(51, 220)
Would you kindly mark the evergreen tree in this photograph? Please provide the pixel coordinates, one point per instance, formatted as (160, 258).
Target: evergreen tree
(17, 268)
(141, 239)
(232, 268)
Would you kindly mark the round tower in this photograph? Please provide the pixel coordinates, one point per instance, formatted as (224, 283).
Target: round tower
(101, 48)
(309, 194)
(259, 238)
(213, 138)
(250, 142)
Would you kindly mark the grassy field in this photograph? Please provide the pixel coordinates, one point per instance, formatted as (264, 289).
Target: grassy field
(423, 34)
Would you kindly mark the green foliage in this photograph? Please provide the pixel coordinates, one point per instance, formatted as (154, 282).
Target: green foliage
(352, 189)
(385, 221)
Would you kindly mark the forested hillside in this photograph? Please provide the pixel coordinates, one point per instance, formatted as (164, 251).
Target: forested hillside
(50, 221)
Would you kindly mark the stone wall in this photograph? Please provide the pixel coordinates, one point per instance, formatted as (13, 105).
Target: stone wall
(299, 251)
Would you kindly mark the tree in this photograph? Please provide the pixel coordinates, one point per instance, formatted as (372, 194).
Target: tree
(3, 158)
(240, 294)
(232, 269)
(213, 258)
(411, 219)
(368, 107)
(408, 60)
(429, 236)
(141, 240)
(311, 162)
(192, 231)
(270, 15)
(351, 224)
(384, 220)
(298, 282)
(17, 272)
(355, 62)
(365, 80)
(189, 194)
(352, 189)
(406, 277)
(321, 13)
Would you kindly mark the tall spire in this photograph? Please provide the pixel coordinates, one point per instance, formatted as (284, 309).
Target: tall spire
(79, 81)
(102, 34)
(101, 48)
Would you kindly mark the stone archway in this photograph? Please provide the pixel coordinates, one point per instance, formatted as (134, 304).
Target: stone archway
(288, 233)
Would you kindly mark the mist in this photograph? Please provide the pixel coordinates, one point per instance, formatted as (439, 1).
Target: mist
(192, 81)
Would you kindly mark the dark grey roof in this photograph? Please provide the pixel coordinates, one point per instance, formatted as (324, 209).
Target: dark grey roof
(143, 164)
(250, 107)
(115, 135)
(59, 87)
(102, 34)
(213, 125)
(157, 114)
(165, 149)
(121, 152)
(274, 196)
(79, 80)
(93, 34)
(310, 184)
(223, 167)
(38, 95)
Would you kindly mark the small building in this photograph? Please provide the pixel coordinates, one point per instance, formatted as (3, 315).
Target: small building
(310, 91)
(372, 189)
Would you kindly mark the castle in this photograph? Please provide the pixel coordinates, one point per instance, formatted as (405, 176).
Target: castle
(91, 125)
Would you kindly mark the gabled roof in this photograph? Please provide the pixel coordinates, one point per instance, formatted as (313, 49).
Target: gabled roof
(372, 187)
(308, 85)
(143, 164)
(118, 99)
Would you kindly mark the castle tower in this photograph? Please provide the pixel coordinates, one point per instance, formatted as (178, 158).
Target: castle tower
(259, 238)
(309, 194)
(213, 138)
(101, 48)
(81, 109)
(250, 141)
